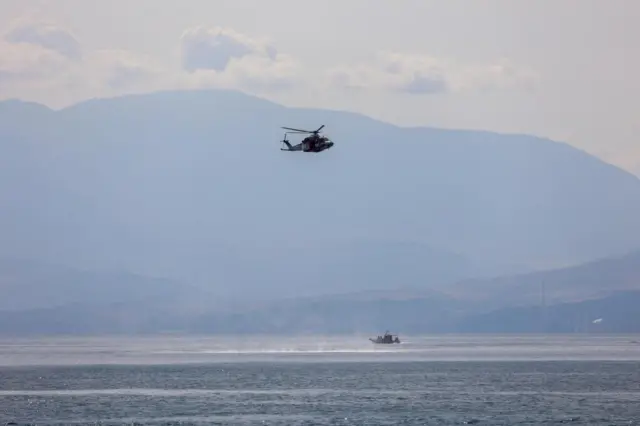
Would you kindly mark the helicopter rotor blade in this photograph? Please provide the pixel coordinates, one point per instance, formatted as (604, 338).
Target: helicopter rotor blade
(297, 130)
(305, 131)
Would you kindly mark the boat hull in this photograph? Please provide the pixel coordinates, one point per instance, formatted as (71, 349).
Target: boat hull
(381, 342)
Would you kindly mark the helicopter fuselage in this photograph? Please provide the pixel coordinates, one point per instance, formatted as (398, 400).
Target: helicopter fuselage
(317, 144)
(311, 144)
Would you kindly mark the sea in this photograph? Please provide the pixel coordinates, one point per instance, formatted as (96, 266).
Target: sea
(321, 380)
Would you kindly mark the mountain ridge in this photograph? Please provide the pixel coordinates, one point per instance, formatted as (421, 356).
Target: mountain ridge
(246, 96)
(576, 283)
(145, 306)
(191, 185)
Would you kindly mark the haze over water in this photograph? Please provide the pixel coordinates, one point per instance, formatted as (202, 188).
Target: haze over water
(213, 349)
(440, 380)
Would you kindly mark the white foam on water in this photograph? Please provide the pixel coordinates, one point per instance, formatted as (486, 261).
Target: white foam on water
(209, 349)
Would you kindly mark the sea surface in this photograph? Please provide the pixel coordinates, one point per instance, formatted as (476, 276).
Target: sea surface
(319, 380)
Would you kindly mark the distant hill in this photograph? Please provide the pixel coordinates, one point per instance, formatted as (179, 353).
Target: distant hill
(46, 299)
(28, 285)
(608, 288)
(591, 280)
(329, 315)
(616, 313)
(191, 186)
(41, 298)
(366, 312)
(95, 319)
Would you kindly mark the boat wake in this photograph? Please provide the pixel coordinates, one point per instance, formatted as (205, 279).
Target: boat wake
(277, 351)
(203, 350)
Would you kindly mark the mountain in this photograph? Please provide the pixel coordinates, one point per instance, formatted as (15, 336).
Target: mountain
(616, 313)
(191, 186)
(91, 320)
(41, 298)
(606, 289)
(48, 299)
(29, 285)
(576, 296)
(592, 280)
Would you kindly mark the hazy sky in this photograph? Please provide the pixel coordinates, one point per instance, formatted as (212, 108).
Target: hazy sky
(562, 69)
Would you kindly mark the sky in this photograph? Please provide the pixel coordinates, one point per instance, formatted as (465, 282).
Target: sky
(566, 70)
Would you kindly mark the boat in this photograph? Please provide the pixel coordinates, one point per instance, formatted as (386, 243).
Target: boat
(387, 339)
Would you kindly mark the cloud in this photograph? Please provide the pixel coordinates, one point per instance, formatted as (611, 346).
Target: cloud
(250, 73)
(28, 62)
(421, 74)
(47, 36)
(414, 73)
(32, 51)
(124, 70)
(396, 72)
(46, 63)
(49, 63)
(502, 75)
(223, 57)
(213, 48)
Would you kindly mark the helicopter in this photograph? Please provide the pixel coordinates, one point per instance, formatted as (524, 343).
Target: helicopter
(312, 143)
